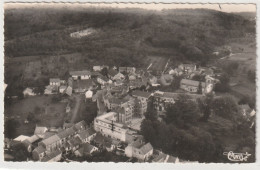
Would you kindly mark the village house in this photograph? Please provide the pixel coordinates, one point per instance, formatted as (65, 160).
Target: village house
(54, 156)
(164, 158)
(136, 83)
(107, 125)
(188, 68)
(118, 76)
(81, 86)
(99, 68)
(73, 144)
(139, 149)
(29, 92)
(38, 153)
(57, 141)
(105, 142)
(29, 142)
(111, 73)
(55, 82)
(85, 150)
(80, 75)
(87, 135)
(127, 69)
(143, 97)
(62, 89)
(40, 131)
(102, 80)
(192, 85)
(163, 99)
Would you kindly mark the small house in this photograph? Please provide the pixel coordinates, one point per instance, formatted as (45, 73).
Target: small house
(85, 149)
(55, 82)
(28, 92)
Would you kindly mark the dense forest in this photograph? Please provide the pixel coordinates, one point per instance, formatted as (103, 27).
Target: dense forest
(125, 36)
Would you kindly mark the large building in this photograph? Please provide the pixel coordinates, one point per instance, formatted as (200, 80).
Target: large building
(192, 85)
(143, 98)
(109, 126)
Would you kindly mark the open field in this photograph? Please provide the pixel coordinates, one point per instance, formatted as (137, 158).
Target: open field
(158, 63)
(45, 111)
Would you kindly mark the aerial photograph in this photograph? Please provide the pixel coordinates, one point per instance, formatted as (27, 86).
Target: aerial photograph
(132, 83)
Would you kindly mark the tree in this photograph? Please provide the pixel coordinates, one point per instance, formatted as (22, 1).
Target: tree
(175, 85)
(151, 113)
(104, 71)
(20, 152)
(223, 85)
(10, 128)
(183, 112)
(137, 107)
(205, 106)
(225, 107)
(200, 88)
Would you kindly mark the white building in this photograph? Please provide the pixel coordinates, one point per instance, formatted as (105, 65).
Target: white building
(108, 126)
(80, 75)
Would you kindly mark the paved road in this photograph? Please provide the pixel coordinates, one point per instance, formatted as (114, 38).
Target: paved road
(76, 108)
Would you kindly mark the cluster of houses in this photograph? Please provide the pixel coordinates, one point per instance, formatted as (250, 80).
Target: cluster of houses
(125, 97)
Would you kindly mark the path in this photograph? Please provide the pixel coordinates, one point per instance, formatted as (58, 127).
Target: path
(76, 108)
(100, 104)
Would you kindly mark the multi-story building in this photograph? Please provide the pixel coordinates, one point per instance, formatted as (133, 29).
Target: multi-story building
(192, 85)
(162, 99)
(108, 125)
(143, 98)
(139, 149)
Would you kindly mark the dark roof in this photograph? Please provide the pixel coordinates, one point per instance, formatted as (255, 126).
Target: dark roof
(86, 133)
(83, 84)
(146, 148)
(112, 72)
(67, 132)
(57, 80)
(192, 82)
(80, 73)
(95, 73)
(85, 148)
(75, 141)
(40, 149)
(80, 125)
(51, 155)
(103, 78)
(100, 139)
(51, 140)
(141, 93)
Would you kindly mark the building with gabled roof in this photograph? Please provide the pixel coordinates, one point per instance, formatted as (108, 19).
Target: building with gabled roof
(55, 82)
(85, 149)
(40, 131)
(81, 86)
(80, 75)
(54, 156)
(192, 85)
(38, 153)
(139, 149)
(52, 143)
(87, 135)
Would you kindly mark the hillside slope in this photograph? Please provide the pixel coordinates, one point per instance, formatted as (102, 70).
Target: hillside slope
(122, 36)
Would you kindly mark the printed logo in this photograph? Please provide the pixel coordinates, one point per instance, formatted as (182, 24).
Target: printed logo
(236, 157)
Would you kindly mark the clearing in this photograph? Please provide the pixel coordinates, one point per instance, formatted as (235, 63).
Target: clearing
(46, 113)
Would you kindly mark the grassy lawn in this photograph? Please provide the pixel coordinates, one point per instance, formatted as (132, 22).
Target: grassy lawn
(45, 111)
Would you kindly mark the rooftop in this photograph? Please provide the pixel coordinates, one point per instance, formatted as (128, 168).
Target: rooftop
(80, 73)
(51, 140)
(141, 93)
(192, 82)
(51, 155)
